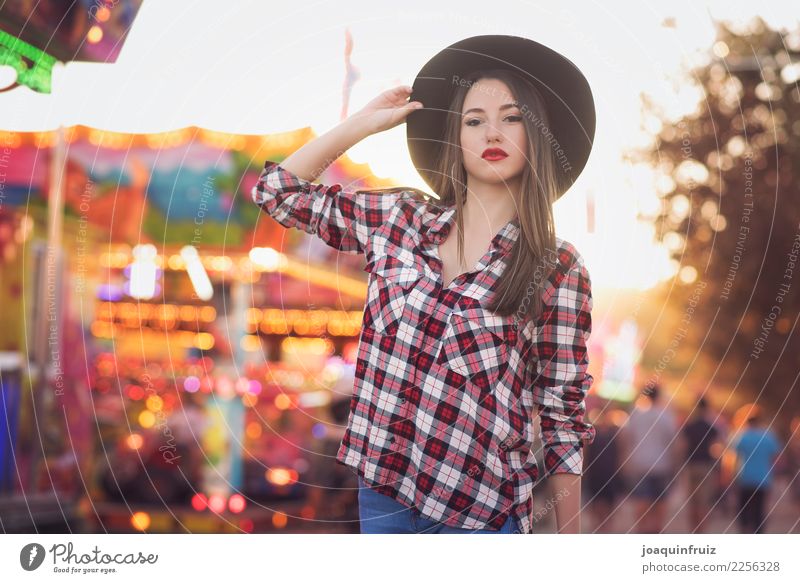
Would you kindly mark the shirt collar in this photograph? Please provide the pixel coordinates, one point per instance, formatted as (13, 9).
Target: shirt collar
(444, 221)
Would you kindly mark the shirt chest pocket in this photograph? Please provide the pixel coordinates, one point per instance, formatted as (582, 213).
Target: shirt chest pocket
(476, 345)
(391, 281)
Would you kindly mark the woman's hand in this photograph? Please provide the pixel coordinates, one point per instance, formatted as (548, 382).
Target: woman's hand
(387, 110)
(382, 113)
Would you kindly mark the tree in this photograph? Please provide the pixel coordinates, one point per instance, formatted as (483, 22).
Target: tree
(728, 176)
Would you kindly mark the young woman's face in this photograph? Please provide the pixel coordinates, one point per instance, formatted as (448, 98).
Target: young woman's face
(491, 121)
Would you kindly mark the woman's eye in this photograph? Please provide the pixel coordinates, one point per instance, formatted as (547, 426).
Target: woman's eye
(477, 121)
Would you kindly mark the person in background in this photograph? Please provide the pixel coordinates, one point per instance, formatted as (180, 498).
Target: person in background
(697, 437)
(649, 442)
(793, 462)
(603, 478)
(756, 447)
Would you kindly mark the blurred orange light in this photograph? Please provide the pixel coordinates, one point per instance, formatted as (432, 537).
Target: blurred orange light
(103, 14)
(134, 441)
(154, 403)
(147, 419)
(279, 520)
(281, 476)
(283, 401)
(95, 35)
(253, 430)
(204, 341)
(140, 520)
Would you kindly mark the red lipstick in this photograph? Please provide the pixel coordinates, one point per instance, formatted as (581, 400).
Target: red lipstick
(492, 154)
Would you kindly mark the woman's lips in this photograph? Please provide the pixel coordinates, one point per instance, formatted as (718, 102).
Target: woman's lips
(494, 154)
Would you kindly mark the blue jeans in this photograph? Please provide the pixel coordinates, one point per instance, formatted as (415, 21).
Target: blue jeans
(381, 514)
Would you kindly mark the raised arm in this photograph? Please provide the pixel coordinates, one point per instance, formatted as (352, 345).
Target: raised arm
(343, 219)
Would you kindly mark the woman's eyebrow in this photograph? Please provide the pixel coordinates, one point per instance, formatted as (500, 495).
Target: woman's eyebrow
(502, 107)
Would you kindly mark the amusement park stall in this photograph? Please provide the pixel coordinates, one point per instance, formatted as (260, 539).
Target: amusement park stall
(199, 355)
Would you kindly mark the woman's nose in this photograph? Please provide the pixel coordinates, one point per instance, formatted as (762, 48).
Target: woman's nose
(492, 133)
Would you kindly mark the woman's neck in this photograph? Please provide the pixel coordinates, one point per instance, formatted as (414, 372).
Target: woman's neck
(488, 208)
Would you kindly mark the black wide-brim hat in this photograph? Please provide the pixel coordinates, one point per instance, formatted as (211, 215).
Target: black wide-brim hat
(566, 92)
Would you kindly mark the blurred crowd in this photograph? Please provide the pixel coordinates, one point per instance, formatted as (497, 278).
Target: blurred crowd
(725, 464)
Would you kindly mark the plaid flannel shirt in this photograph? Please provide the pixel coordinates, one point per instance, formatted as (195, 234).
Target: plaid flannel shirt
(446, 391)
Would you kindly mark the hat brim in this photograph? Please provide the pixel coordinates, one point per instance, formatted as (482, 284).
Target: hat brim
(565, 90)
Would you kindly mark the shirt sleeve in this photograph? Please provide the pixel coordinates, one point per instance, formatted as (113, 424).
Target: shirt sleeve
(561, 380)
(343, 219)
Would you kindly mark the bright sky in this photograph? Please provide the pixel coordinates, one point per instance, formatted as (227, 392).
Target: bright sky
(256, 68)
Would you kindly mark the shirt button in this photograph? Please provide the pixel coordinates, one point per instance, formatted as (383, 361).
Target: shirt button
(391, 439)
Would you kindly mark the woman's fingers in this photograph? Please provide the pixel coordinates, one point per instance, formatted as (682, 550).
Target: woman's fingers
(412, 105)
(406, 109)
(401, 94)
(398, 96)
(389, 109)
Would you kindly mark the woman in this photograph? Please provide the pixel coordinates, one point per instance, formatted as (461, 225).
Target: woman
(464, 339)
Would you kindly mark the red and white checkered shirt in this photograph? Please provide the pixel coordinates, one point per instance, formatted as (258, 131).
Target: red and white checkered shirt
(446, 391)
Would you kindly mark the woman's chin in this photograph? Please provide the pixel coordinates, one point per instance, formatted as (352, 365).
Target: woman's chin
(497, 177)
